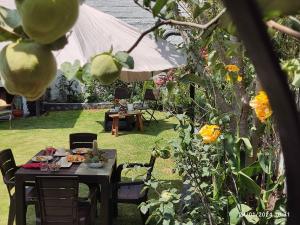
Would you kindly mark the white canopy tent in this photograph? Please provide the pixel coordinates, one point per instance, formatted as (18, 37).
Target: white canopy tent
(95, 32)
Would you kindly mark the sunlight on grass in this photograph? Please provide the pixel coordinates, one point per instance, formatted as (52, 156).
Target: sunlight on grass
(30, 135)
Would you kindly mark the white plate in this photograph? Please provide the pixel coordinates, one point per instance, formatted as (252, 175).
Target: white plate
(42, 158)
(64, 162)
(81, 150)
(61, 153)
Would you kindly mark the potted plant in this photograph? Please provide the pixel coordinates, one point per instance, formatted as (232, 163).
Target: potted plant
(17, 109)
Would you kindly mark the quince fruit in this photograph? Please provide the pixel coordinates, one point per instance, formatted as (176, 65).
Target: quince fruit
(105, 68)
(27, 69)
(47, 20)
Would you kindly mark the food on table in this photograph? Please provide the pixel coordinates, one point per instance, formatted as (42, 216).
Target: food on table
(95, 157)
(40, 158)
(75, 158)
(81, 150)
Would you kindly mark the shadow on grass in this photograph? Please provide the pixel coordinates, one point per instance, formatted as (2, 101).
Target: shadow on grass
(153, 128)
(66, 119)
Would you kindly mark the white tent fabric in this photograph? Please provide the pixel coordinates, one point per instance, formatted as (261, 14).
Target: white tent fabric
(95, 32)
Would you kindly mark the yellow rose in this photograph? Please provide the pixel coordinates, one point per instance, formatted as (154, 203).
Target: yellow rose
(260, 103)
(239, 78)
(209, 133)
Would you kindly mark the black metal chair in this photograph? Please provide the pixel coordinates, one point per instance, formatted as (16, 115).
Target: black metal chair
(6, 113)
(82, 140)
(122, 93)
(149, 105)
(85, 140)
(59, 203)
(133, 192)
(8, 168)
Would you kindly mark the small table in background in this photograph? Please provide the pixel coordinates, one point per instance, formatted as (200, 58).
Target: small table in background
(116, 118)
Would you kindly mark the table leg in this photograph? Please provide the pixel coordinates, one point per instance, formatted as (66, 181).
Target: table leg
(140, 125)
(20, 202)
(105, 209)
(117, 126)
(113, 126)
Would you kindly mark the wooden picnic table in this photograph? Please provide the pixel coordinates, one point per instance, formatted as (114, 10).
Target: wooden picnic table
(116, 117)
(103, 176)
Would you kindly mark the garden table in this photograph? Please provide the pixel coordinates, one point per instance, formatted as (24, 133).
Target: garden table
(103, 176)
(116, 117)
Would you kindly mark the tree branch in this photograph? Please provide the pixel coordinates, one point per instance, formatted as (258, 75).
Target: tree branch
(284, 29)
(178, 23)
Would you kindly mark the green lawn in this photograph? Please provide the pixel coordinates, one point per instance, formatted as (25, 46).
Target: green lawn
(30, 135)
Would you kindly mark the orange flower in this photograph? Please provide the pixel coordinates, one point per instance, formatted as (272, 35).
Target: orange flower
(260, 103)
(232, 68)
(209, 133)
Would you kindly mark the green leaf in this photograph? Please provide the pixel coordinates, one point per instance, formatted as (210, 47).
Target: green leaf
(264, 161)
(125, 59)
(296, 80)
(247, 144)
(193, 78)
(198, 9)
(247, 183)
(252, 169)
(237, 213)
(158, 6)
(9, 21)
(70, 70)
(252, 218)
(144, 208)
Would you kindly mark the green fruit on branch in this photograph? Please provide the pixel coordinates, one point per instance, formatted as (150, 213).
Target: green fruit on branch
(105, 68)
(47, 20)
(27, 69)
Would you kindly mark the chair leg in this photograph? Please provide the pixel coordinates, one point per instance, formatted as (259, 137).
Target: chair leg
(37, 214)
(12, 213)
(144, 217)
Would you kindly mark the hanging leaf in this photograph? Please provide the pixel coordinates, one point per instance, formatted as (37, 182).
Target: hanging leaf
(248, 184)
(264, 161)
(9, 23)
(158, 6)
(252, 170)
(198, 9)
(70, 70)
(247, 144)
(125, 59)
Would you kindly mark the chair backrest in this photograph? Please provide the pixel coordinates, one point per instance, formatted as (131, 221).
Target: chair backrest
(82, 140)
(149, 95)
(58, 199)
(122, 93)
(8, 169)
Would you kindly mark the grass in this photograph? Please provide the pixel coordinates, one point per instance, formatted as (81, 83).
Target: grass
(32, 134)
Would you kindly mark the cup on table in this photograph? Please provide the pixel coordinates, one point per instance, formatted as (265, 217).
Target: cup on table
(44, 166)
(54, 166)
